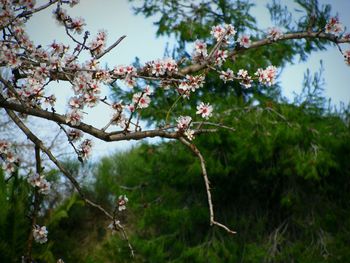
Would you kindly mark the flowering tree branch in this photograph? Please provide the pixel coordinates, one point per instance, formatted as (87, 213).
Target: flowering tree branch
(40, 145)
(33, 68)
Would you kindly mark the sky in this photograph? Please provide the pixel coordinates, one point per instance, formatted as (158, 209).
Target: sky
(117, 18)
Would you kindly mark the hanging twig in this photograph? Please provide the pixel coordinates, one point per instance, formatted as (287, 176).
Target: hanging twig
(36, 207)
(195, 150)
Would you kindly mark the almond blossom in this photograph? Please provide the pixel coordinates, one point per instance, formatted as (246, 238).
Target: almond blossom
(40, 234)
(189, 134)
(74, 117)
(205, 109)
(267, 76)
(226, 75)
(10, 160)
(334, 27)
(37, 180)
(161, 67)
(200, 51)
(220, 57)
(85, 149)
(191, 83)
(141, 99)
(122, 201)
(245, 79)
(98, 45)
(183, 122)
(274, 33)
(74, 135)
(244, 41)
(218, 31)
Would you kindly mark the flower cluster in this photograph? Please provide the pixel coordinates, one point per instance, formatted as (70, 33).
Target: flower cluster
(245, 79)
(10, 159)
(161, 67)
(220, 57)
(85, 149)
(37, 180)
(267, 76)
(98, 45)
(274, 33)
(141, 99)
(87, 90)
(74, 117)
(191, 83)
(200, 51)
(183, 122)
(74, 24)
(334, 27)
(74, 135)
(227, 75)
(122, 201)
(227, 31)
(205, 110)
(127, 73)
(183, 125)
(40, 234)
(347, 56)
(29, 4)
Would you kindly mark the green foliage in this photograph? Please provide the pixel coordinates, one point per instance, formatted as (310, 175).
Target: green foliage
(14, 225)
(280, 180)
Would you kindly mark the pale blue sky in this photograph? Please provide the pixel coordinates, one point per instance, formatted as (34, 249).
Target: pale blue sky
(118, 19)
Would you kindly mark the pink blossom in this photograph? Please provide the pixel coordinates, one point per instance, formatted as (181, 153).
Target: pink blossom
(75, 103)
(38, 181)
(147, 90)
(205, 109)
(141, 100)
(85, 149)
(40, 234)
(334, 27)
(4, 146)
(267, 76)
(8, 167)
(119, 70)
(244, 41)
(158, 68)
(200, 51)
(220, 57)
(122, 201)
(218, 31)
(74, 117)
(245, 79)
(189, 134)
(74, 135)
(226, 75)
(98, 44)
(183, 122)
(274, 33)
(77, 25)
(347, 56)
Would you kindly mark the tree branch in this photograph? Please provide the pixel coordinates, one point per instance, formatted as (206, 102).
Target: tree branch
(195, 150)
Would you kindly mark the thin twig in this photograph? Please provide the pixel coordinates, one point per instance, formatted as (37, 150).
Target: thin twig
(36, 207)
(110, 48)
(195, 150)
